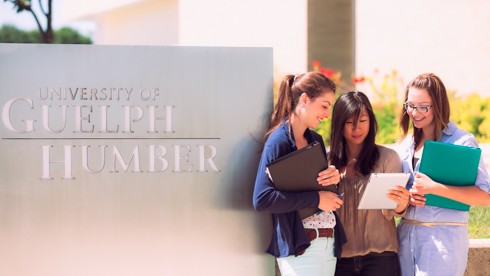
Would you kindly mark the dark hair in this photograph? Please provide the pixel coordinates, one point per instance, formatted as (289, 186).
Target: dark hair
(314, 84)
(350, 105)
(440, 105)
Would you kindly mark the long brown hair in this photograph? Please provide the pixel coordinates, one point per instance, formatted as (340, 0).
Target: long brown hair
(314, 84)
(440, 105)
(350, 105)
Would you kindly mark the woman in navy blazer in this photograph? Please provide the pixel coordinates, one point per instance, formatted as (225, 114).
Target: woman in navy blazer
(309, 246)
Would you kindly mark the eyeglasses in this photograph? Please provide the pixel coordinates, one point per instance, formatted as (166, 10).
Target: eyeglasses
(420, 108)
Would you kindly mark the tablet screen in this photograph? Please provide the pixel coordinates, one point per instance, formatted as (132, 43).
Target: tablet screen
(374, 196)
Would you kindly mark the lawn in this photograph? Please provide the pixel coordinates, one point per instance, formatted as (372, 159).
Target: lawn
(479, 223)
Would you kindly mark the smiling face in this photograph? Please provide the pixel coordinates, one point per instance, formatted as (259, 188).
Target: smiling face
(419, 97)
(355, 135)
(318, 109)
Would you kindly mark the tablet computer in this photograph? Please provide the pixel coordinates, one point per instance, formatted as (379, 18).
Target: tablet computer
(374, 196)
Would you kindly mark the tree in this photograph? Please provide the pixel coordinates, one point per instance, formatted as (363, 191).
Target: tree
(26, 5)
(65, 35)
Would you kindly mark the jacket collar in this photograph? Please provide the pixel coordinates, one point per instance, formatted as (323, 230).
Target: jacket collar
(450, 130)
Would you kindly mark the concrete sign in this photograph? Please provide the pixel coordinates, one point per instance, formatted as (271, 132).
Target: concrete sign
(130, 160)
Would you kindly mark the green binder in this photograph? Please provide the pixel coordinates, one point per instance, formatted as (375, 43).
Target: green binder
(449, 164)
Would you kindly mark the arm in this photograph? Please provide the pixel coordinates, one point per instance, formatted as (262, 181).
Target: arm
(266, 198)
(471, 195)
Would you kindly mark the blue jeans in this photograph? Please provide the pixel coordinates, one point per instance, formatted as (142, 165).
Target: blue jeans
(318, 260)
(372, 264)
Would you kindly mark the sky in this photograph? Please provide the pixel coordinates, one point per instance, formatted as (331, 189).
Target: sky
(25, 20)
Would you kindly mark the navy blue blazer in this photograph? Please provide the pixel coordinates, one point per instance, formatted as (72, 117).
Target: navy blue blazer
(288, 235)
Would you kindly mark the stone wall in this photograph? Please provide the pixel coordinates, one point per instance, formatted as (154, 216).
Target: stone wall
(478, 258)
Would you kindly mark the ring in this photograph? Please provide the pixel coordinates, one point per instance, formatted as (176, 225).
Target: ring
(398, 197)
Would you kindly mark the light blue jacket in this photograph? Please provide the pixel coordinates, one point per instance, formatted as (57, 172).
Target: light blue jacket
(442, 250)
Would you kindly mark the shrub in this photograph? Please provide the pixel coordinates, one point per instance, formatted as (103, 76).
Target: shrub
(65, 35)
(472, 113)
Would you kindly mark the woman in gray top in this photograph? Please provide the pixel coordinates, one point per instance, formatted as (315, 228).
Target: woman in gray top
(372, 243)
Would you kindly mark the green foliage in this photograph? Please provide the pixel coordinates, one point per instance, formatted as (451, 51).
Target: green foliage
(65, 35)
(472, 113)
(10, 34)
(387, 105)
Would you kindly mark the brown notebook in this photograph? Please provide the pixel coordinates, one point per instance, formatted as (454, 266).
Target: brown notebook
(298, 171)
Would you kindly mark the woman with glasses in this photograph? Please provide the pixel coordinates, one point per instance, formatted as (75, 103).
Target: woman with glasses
(440, 246)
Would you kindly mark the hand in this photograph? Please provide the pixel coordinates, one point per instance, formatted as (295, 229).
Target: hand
(329, 201)
(401, 197)
(416, 199)
(329, 176)
(424, 185)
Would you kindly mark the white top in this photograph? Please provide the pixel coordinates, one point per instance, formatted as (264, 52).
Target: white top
(324, 220)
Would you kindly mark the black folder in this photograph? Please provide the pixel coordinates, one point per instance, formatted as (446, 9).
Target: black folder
(298, 171)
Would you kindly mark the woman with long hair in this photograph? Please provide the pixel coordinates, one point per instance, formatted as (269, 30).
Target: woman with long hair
(309, 246)
(434, 240)
(372, 243)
